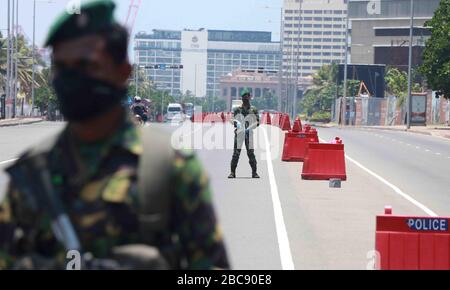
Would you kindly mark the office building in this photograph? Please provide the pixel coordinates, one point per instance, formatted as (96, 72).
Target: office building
(380, 31)
(205, 55)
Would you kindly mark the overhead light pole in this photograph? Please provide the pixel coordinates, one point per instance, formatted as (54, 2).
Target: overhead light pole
(8, 54)
(34, 56)
(409, 97)
(344, 99)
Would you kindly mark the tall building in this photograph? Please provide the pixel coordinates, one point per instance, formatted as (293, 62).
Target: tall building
(380, 31)
(161, 47)
(314, 35)
(205, 56)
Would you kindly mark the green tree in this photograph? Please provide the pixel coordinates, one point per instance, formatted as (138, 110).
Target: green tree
(45, 97)
(24, 65)
(436, 57)
(397, 84)
(319, 98)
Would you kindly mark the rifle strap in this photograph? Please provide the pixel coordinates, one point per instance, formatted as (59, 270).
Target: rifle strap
(154, 186)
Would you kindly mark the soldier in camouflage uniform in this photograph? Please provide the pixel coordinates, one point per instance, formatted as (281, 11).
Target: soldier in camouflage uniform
(245, 120)
(93, 163)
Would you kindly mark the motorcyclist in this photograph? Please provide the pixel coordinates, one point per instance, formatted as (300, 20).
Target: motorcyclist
(139, 109)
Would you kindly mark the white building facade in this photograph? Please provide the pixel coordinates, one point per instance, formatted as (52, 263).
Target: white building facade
(313, 35)
(205, 56)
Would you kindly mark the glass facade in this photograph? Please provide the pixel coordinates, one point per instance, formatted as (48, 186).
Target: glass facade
(313, 32)
(164, 47)
(161, 47)
(221, 63)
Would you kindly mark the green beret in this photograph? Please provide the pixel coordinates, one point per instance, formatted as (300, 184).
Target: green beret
(245, 92)
(94, 16)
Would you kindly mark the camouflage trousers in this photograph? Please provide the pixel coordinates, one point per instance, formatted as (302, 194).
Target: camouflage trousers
(239, 139)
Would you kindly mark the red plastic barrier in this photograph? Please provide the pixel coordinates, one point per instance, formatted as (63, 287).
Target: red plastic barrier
(212, 118)
(266, 119)
(285, 122)
(297, 126)
(324, 162)
(276, 119)
(295, 144)
(412, 243)
(197, 118)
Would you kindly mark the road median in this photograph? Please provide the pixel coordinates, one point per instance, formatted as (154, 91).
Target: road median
(19, 122)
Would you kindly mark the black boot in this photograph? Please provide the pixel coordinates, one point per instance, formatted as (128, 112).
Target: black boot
(255, 175)
(232, 175)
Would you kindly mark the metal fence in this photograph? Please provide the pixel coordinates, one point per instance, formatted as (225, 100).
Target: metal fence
(365, 111)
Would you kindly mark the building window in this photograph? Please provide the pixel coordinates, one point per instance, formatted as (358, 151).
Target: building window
(233, 92)
(257, 93)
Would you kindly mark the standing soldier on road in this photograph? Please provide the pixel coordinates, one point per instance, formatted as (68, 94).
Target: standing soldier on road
(118, 195)
(245, 120)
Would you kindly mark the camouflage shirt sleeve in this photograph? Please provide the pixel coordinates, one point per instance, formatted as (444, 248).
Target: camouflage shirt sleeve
(233, 120)
(197, 227)
(6, 233)
(13, 245)
(255, 111)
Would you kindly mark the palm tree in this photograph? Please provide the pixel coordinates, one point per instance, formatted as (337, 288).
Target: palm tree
(24, 65)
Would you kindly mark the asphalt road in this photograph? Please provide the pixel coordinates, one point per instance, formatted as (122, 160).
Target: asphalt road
(283, 222)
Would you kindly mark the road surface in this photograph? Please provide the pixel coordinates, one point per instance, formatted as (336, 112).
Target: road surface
(283, 222)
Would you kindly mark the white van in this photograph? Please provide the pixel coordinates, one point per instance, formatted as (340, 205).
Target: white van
(175, 112)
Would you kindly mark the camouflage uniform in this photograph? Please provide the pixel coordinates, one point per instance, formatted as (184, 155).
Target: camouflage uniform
(99, 192)
(249, 118)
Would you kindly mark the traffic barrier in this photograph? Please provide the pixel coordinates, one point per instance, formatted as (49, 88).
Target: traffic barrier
(266, 119)
(324, 161)
(297, 126)
(276, 119)
(412, 243)
(212, 118)
(197, 118)
(285, 122)
(295, 145)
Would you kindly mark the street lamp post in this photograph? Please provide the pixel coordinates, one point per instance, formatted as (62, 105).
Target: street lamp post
(33, 100)
(16, 52)
(280, 70)
(34, 57)
(409, 100)
(8, 54)
(344, 99)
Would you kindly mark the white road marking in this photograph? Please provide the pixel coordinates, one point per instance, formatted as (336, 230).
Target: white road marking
(438, 153)
(426, 150)
(417, 147)
(393, 187)
(287, 262)
(7, 161)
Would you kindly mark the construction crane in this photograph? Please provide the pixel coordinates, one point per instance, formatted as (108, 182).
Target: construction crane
(132, 14)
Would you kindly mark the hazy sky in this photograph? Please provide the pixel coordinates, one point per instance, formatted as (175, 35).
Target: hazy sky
(165, 14)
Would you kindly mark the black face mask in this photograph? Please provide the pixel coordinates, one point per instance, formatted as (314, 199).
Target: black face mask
(82, 97)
